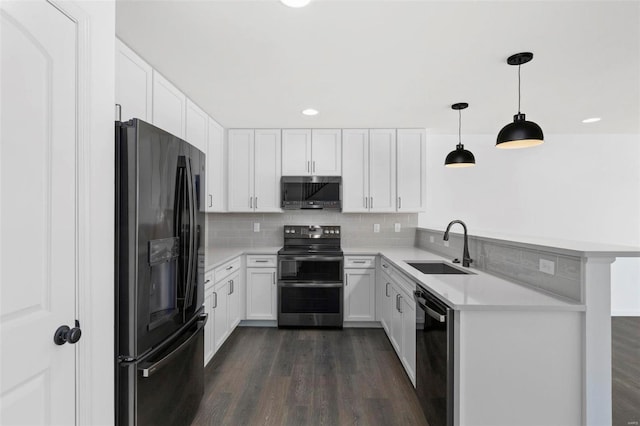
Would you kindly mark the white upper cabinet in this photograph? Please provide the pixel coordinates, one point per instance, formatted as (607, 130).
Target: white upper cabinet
(411, 149)
(369, 172)
(240, 176)
(216, 168)
(355, 173)
(267, 169)
(134, 84)
(326, 152)
(254, 170)
(197, 126)
(311, 152)
(169, 106)
(382, 170)
(296, 152)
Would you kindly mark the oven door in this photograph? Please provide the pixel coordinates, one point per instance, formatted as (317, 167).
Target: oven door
(310, 305)
(310, 269)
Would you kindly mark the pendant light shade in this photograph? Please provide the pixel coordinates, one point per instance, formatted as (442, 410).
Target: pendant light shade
(521, 133)
(460, 157)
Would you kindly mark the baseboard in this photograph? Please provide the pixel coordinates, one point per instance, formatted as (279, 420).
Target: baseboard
(258, 323)
(625, 313)
(362, 324)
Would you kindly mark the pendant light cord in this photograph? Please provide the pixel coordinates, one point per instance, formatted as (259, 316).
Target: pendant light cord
(459, 127)
(519, 65)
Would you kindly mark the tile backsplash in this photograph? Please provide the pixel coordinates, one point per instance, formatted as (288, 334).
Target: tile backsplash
(511, 261)
(236, 229)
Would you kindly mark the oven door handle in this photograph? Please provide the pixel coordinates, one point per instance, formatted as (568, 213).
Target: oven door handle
(312, 257)
(310, 285)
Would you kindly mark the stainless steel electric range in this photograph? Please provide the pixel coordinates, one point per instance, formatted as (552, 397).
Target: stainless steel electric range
(310, 277)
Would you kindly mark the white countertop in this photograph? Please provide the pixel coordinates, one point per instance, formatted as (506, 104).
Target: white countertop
(476, 291)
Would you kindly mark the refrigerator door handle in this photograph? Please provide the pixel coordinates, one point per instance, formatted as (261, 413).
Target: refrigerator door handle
(148, 368)
(192, 235)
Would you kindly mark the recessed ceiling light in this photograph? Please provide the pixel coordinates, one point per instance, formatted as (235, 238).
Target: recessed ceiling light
(310, 111)
(591, 120)
(295, 3)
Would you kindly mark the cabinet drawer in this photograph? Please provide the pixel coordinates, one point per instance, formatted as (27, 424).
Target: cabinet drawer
(261, 261)
(359, 261)
(222, 272)
(208, 281)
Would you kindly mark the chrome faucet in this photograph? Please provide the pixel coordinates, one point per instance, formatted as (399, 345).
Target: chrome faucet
(466, 259)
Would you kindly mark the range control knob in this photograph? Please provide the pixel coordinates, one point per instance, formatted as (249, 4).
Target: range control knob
(337, 231)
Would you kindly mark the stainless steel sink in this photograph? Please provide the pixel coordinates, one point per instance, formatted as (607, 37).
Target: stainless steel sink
(436, 268)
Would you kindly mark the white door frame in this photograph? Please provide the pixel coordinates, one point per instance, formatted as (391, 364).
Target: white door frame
(95, 22)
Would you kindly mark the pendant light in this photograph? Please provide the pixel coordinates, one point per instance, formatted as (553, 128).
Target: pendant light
(521, 133)
(460, 157)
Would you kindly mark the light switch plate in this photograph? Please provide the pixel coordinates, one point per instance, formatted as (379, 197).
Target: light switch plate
(397, 227)
(256, 227)
(376, 227)
(547, 266)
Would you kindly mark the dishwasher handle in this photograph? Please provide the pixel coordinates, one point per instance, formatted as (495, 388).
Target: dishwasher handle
(422, 301)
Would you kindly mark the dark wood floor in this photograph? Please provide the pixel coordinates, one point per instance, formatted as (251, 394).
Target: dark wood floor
(625, 354)
(268, 376)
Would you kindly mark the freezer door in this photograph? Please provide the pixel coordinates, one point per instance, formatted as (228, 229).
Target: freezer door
(167, 386)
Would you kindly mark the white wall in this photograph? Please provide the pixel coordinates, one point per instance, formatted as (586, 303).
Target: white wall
(573, 187)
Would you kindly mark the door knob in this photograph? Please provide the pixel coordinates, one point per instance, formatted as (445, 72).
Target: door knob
(65, 334)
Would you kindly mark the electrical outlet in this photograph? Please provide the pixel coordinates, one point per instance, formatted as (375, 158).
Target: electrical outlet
(446, 243)
(547, 266)
(431, 239)
(376, 227)
(256, 227)
(397, 227)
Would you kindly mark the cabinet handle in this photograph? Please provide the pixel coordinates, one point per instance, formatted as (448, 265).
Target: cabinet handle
(358, 261)
(229, 268)
(399, 303)
(216, 295)
(261, 261)
(207, 281)
(256, 203)
(250, 202)
(308, 166)
(386, 290)
(366, 203)
(399, 202)
(314, 167)
(346, 280)
(385, 266)
(210, 200)
(371, 202)
(274, 278)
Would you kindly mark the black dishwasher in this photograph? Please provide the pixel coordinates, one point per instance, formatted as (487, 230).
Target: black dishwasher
(434, 358)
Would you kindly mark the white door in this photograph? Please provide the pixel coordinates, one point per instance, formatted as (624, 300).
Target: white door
(134, 84)
(382, 170)
(267, 171)
(240, 176)
(326, 152)
(296, 152)
(169, 106)
(38, 228)
(261, 294)
(359, 288)
(216, 168)
(411, 170)
(355, 172)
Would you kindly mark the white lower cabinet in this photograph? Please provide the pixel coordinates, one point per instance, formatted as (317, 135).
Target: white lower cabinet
(398, 315)
(222, 302)
(262, 288)
(360, 294)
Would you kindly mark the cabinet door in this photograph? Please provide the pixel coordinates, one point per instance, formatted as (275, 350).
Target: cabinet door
(209, 347)
(326, 152)
(411, 170)
(355, 176)
(408, 351)
(197, 126)
(261, 294)
(382, 170)
(360, 295)
(240, 176)
(220, 314)
(134, 84)
(169, 106)
(384, 301)
(216, 168)
(235, 292)
(296, 152)
(267, 157)
(396, 320)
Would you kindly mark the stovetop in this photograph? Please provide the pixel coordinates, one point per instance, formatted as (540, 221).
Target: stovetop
(312, 240)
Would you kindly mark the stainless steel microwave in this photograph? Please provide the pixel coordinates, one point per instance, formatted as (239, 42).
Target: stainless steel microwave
(311, 192)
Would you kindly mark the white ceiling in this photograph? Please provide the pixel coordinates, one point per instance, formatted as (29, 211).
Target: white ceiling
(396, 63)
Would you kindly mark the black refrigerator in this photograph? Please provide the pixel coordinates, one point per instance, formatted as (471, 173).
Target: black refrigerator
(159, 281)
